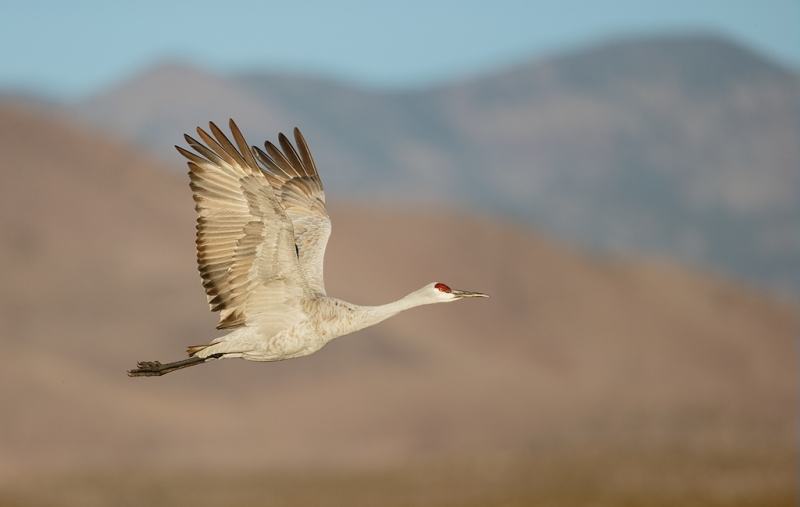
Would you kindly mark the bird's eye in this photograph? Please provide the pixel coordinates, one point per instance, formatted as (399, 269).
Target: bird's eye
(442, 287)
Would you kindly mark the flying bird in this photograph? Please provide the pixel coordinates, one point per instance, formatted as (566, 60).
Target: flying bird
(261, 237)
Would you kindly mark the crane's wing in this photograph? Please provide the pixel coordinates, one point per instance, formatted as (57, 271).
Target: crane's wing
(296, 183)
(245, 240)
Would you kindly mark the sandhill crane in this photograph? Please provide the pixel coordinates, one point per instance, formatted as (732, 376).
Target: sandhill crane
(261, 237)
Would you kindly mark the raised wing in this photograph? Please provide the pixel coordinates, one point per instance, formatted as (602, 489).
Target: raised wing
(245, 240)
(296, 183)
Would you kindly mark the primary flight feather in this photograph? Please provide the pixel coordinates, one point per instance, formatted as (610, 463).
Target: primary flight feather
(261, 237)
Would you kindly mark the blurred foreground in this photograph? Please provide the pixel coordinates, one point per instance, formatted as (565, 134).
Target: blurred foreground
(588, 476)
(580, 381)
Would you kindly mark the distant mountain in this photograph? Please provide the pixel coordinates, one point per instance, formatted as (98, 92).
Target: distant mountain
(681, 147)
(570, 354)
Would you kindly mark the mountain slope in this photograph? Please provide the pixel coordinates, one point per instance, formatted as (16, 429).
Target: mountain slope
(685, 148)
(681, 147)
(96, 245)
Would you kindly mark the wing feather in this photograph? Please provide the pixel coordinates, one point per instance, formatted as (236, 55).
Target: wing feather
(305, 153)
(297, 186)
(245, 239)
(202, 150)
(291, 155)
(279, 160)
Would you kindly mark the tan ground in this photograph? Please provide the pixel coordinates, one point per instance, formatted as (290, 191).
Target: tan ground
(581, 381)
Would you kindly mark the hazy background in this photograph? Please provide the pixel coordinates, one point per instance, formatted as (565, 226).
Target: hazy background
(621, 177)
(72, 50)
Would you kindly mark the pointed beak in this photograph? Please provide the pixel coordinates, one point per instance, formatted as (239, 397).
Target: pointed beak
(467, 294)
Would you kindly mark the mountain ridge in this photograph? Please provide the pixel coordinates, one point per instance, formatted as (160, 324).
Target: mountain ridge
(682, 147)
(98, 264)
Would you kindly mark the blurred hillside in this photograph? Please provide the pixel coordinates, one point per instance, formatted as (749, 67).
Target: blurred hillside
(685, 148)
(635, 382)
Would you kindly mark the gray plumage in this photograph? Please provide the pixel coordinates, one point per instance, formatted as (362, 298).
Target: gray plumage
(261, 238)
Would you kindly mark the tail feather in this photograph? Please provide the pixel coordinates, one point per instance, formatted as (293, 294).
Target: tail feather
(194, 349)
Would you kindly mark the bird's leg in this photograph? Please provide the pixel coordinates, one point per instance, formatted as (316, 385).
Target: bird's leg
(156, 369)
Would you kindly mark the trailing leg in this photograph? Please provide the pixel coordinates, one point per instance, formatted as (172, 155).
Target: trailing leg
(156, 369)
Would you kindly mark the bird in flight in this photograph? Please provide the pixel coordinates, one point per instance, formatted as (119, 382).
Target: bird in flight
(261, 237)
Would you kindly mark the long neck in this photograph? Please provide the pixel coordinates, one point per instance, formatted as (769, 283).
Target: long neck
(376, 314)
(361, 317)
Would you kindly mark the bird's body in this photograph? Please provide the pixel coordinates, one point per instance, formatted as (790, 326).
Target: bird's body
(261, 238)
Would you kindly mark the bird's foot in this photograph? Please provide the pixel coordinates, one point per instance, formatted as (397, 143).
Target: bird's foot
(147, 369)
(156, 368)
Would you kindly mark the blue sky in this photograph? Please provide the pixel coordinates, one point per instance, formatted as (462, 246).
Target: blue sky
(71, 49)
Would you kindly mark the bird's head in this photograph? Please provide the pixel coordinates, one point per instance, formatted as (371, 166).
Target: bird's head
(441, 293)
